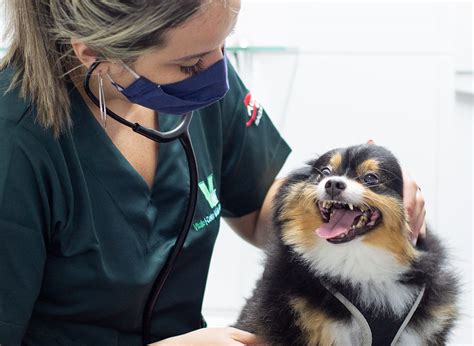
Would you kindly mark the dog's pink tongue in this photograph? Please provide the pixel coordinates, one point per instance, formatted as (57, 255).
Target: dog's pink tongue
(339, 223)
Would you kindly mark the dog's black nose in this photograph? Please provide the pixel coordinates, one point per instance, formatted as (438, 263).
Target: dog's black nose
(334, 187)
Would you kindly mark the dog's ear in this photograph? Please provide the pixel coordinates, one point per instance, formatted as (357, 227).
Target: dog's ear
(313, 161)
(301, 172)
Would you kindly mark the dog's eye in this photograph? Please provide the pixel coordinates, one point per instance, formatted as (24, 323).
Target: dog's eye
(326, 171)
(371, 179)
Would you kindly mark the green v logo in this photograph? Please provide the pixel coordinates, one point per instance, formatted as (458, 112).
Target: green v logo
(209, 191)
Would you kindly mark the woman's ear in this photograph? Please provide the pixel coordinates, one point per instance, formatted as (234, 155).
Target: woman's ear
(87, 56)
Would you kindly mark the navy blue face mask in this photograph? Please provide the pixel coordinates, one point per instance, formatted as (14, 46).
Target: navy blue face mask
(195, 92)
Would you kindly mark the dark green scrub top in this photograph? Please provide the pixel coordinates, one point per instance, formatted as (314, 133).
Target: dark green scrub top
(82, 237)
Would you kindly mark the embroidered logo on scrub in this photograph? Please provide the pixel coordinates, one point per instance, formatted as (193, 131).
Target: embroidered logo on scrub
(254, 110)
(210, 193)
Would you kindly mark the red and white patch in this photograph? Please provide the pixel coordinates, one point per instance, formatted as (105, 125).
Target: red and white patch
(254, 110)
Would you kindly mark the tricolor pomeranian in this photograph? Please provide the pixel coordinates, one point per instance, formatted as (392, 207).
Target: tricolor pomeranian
(342, 269)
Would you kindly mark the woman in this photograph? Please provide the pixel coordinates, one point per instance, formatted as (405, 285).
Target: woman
(89, 209)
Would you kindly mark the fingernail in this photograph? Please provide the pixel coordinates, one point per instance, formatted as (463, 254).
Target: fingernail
(371, 141)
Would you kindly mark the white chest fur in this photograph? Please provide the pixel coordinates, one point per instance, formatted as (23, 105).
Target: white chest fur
(373, 271)
(350, 334)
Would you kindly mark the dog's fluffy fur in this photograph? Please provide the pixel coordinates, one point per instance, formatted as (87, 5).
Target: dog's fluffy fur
(375, 267)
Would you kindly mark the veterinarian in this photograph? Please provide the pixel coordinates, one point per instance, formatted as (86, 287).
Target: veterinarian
(89, 208)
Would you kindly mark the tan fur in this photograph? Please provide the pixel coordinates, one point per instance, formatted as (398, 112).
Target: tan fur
(392, 233)
(303, 216)
(370, 165)
(315, 323)
(335, 161)
(444, 313)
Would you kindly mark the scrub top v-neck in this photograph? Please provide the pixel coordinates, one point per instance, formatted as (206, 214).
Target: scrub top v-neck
(83, 236)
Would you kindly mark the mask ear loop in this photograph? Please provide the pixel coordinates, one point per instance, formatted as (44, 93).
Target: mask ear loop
(102, 105)
(129, 69)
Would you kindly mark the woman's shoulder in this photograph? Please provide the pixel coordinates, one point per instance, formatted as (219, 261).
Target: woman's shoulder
(17, 116)
(12, 105)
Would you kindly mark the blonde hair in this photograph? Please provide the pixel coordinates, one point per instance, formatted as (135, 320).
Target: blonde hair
(41, 55)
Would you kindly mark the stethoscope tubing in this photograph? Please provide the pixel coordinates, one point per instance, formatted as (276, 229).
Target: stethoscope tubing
(181, 132)
(164, 273)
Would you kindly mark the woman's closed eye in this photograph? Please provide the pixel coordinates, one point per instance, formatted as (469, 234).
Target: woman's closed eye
(193, 69)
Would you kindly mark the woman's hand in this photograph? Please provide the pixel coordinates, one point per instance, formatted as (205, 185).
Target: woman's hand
(211, 336)
(414, 204)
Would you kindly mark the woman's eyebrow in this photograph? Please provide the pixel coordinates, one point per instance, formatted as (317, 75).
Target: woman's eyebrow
(194, 56)
(200, 55)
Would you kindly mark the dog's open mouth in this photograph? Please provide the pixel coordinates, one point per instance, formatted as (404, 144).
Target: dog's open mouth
(343, 221)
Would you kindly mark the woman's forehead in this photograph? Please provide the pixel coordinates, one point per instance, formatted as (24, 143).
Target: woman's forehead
(203, 32)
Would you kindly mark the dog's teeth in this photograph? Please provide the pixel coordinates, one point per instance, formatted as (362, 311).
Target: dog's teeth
(351, 207)
(361, 222)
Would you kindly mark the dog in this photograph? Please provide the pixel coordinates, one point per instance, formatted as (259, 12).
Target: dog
(342, 269)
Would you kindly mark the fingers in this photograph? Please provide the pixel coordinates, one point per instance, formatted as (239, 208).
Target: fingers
(420, 214)
(422, 233)
(243, 336)
(409, 196)
(415, 206)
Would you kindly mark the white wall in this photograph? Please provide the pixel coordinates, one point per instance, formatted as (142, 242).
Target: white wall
(380, 70)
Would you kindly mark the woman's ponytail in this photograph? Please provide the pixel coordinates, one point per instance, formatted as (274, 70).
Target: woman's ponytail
(36, 61)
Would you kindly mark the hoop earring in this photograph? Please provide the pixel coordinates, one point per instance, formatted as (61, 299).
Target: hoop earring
(102, 106)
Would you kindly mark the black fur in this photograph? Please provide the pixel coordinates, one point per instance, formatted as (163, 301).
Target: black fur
(286, 275)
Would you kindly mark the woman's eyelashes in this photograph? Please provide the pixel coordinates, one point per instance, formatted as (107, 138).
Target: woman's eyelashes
(193, 69)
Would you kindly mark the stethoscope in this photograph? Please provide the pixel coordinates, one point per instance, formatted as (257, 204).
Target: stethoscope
(181, 132)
